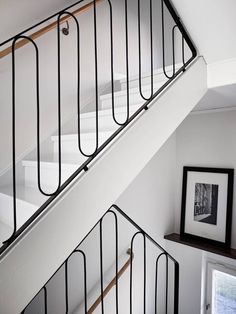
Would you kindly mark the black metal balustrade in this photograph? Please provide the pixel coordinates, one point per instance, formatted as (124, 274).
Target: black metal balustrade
(169, 283)
(61, 17)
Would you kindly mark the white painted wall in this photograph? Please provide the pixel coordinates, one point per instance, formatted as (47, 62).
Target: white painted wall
(206, 140)
(201, 140)
(211, 25)
(147, 200)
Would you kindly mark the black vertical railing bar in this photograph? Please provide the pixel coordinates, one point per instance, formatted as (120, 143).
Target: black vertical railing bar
(13, 144)
(182, 30)
(38, 130)
(38, 135)
(45, 300)
(144, 271)
(112, 70)
(163, 44)
(58, 117)
(110, 211)
(61, 186)
(127, 60)
(66, 288)
(14, 122)
(101, 260)
(96, 68)
(101, 269)
(140, 51)
(176, 288)
(127, 65)
(85, 279)
(183, 52)
(96, 89)
(167, 282)
(156, 283)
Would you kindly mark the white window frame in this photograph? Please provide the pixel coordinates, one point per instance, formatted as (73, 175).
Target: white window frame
(224, 268)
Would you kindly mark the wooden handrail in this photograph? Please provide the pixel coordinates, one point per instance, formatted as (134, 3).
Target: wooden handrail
(46, 29)
(112, 283)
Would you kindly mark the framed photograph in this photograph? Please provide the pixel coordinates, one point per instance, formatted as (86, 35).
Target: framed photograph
(207, 197)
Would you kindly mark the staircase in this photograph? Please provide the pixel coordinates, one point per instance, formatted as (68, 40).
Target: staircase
(60, 192)
(29, 198)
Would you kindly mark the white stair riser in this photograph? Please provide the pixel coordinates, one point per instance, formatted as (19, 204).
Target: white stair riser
(49, 176)
(72, 147)
(134, 97)
(106, 123)
(24, 210)
(158, 76)
(145, 81)
(121, 101)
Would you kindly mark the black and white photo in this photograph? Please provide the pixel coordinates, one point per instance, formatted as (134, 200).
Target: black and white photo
(207, 204)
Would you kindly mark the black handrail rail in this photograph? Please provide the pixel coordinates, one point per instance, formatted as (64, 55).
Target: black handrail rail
(119, 215)
(98, 149)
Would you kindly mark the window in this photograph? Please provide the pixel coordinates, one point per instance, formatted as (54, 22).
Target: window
(221, 290)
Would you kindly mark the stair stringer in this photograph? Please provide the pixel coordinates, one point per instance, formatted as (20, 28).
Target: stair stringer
(31, 260)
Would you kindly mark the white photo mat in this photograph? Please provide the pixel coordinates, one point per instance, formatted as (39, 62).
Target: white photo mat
(210, 231)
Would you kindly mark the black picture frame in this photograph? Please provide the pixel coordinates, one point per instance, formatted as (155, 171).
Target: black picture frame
(198, 200)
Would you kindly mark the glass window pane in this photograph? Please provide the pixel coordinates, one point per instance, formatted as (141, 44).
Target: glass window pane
(223, 293)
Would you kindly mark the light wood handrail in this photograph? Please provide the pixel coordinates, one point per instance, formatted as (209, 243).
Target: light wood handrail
(46, 29)
(112, 283)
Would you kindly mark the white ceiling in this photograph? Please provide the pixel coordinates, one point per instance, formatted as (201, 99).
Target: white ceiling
(212, 26)
(222, 97)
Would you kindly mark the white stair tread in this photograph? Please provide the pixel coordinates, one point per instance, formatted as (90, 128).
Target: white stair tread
(48, 164)
(89, 136)
(168, 69)
(108, 112)
(5, 232)
(49, 175)
(25, 193)
(24, 210)
(146, 89)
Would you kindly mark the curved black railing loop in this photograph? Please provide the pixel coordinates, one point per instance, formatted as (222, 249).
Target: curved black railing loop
(14, 127)
(140, 52)
(101, 259)
(163, 44)
(38, 119)
(156, 283)
(127, 72)
(78, 79)
(85, 279)
(78, 86)
(144, 271)
(112, 64)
